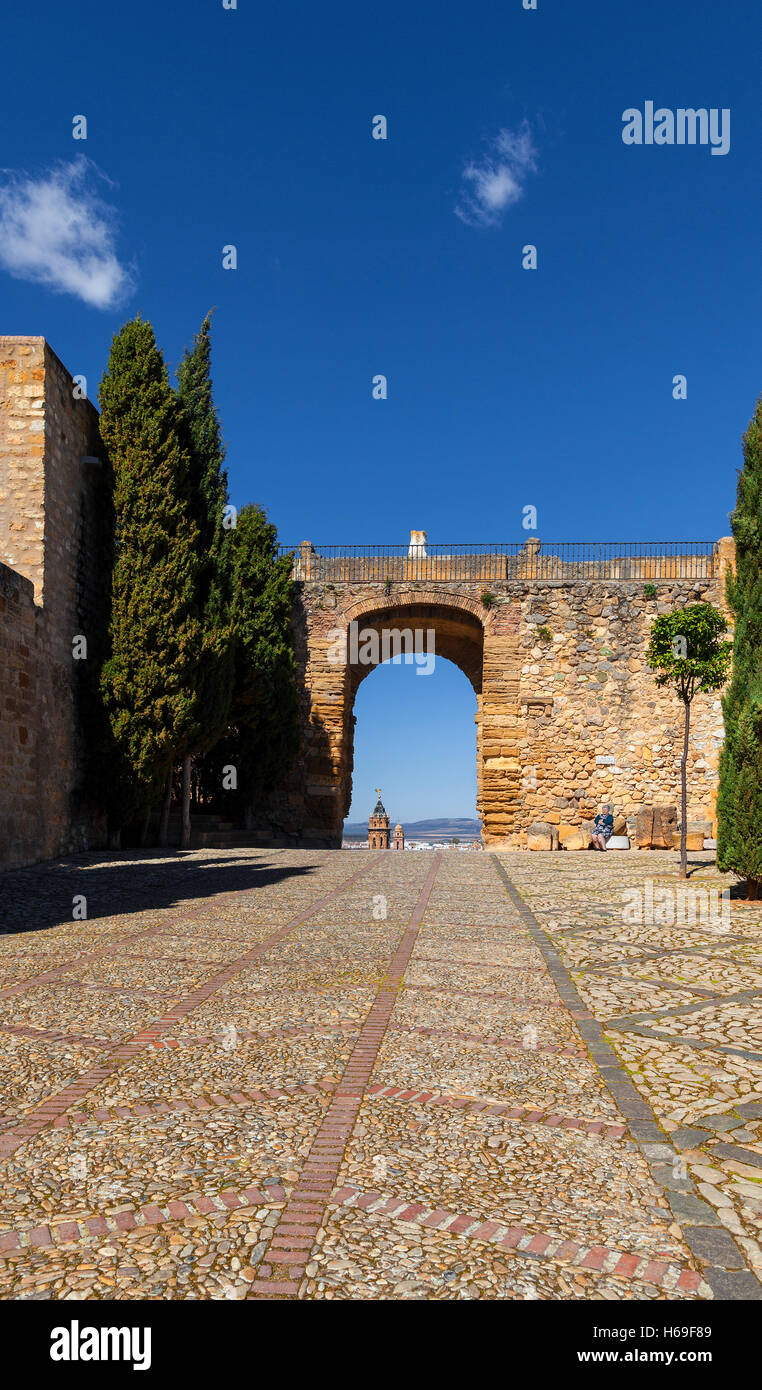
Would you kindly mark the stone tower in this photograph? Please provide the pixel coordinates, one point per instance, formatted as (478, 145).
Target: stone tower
(53, 535)
(399, 837)
(378, 826)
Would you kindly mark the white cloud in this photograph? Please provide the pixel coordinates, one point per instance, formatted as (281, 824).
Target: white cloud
(497, 181)
(55, 231)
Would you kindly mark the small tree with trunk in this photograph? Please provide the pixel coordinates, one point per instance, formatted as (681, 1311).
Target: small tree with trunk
(739, 800)
(688, 653)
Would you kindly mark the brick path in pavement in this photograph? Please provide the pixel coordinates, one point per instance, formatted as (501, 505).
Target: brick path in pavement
(306, 1075)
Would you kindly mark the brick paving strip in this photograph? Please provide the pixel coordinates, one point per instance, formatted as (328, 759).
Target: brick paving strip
(113, 949)
(477, 964)
(66, 1230)
(491, 1040)
(287, 1255)
(61, 1101)
(137, 1111)
(488, 994)
(521, 1241)
(136, 991)
(528, 1114)
(315, 1030)
(501, 1235)
(51, 1035)
(722, 1263)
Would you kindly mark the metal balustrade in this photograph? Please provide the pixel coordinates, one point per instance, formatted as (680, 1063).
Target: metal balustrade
(533, 561)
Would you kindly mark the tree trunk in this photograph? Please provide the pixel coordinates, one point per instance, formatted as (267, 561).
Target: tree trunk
(165, 809)
(684, 792)
(752, 890)
(185, 837)
(115, 837)
(144, 828)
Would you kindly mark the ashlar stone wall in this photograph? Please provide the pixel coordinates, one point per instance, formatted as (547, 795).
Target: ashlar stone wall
(51, 533)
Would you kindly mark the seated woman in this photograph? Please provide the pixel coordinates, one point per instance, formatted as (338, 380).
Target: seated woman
(604, 825)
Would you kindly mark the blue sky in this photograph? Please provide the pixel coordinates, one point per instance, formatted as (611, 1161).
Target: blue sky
(506, 387)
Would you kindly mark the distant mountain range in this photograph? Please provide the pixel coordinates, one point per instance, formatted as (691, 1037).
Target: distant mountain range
(450, 828)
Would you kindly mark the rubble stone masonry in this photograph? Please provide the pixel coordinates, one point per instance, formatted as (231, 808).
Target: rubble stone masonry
(568, 713)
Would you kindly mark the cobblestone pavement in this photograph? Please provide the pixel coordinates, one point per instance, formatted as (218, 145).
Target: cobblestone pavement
(292, 1074)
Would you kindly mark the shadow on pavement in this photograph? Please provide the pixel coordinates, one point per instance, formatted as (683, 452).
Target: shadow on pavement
(41, 896)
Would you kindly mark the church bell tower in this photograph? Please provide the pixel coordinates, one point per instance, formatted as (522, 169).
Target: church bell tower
(378, 826)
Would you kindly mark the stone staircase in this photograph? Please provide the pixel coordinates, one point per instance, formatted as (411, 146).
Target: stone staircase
(209, 832)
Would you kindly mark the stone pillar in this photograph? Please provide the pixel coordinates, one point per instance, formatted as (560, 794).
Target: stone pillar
(327, 745)
(500, 728)
(724, 559)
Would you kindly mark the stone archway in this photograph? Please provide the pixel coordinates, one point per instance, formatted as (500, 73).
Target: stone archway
(480, 641)
(568, 714)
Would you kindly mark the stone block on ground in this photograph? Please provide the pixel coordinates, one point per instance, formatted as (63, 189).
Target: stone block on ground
(576, 836)
(579, 840)
(542, 835)
(695, 836)
(655, 827)
(692, 842)
(618, 842)
(664, 826)
(644, 825)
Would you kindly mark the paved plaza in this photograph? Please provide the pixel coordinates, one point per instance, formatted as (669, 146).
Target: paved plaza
(288, 1074)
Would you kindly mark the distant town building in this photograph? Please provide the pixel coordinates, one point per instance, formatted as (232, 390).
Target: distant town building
(399, 837)
(378, 826)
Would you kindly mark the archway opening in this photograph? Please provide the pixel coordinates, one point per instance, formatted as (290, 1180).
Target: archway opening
(415, 736)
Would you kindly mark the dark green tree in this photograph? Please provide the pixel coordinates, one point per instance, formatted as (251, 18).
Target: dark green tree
(687, 651)
(155, 636)
(263, 737)
(739, 800)
(209, 496)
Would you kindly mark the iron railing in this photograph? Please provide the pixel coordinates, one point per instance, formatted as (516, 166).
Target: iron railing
(568, 561)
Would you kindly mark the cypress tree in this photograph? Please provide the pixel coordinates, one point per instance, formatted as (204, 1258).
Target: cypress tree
(208, 483)
(263, 738)
(739, 800)
(148, 680)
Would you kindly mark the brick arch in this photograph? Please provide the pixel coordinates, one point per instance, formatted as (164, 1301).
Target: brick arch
(437, 598)
(458, 629)
(481, 641)
(459, 626)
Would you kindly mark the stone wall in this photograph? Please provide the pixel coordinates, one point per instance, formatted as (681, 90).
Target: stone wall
(20, 825)
(52, 522)
(587, 696)
(566, 718)
(568, 714)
